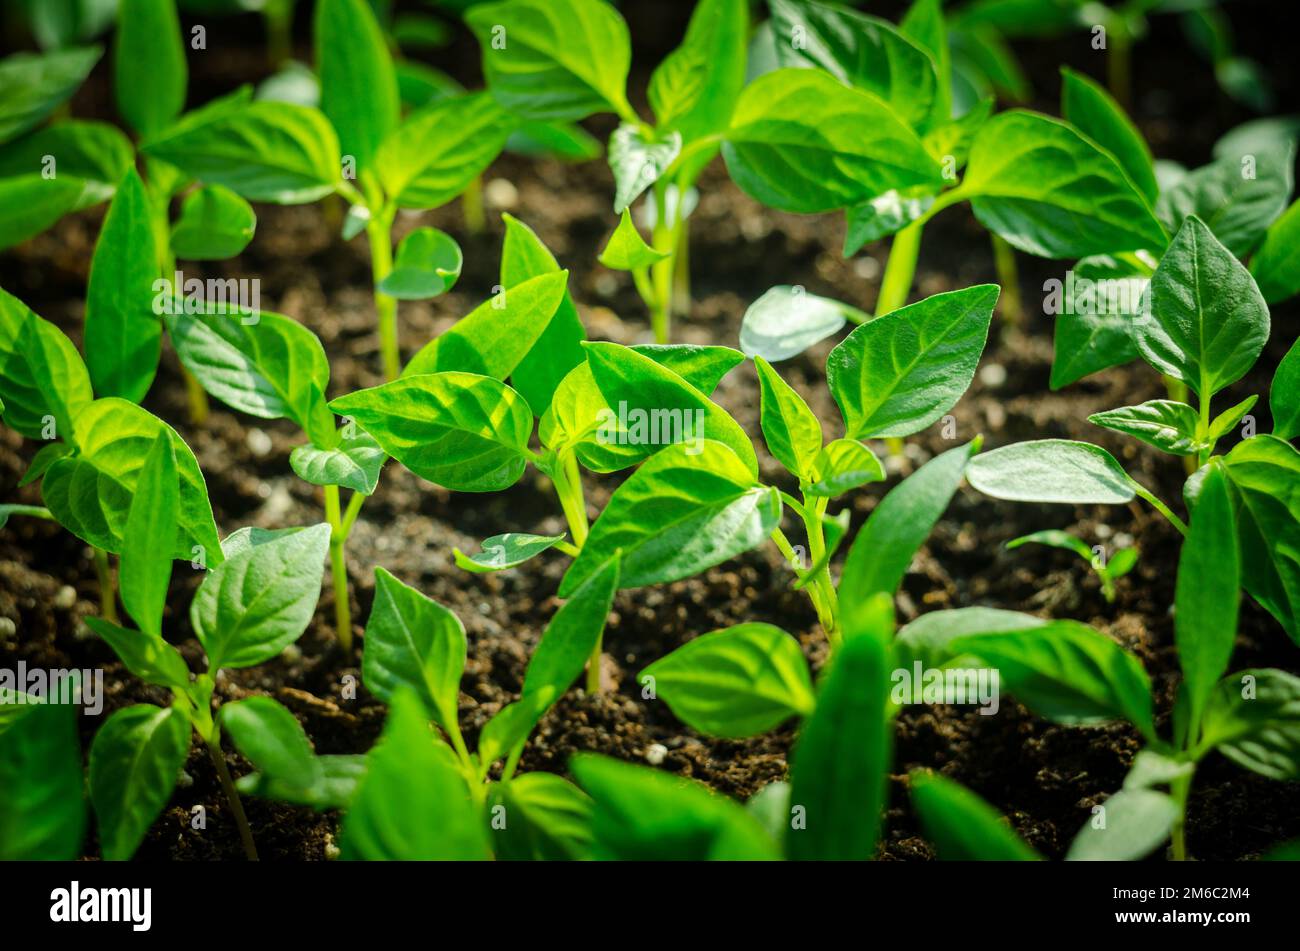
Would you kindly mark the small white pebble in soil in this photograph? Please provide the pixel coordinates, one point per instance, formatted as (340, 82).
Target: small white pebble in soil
(331, 850)
(993, 375)
(867, 268)
(66, 598)
(606, 285)
(1123, 540)
(1103, 530)
(7, 628)
(291, 654)
(500, 193)
(184, 780)
(655, 754)
(259, 443)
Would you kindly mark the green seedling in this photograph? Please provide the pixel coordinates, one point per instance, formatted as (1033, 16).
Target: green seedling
(1108, 570)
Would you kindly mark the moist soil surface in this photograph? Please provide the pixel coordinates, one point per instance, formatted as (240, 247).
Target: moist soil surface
(1044, 777)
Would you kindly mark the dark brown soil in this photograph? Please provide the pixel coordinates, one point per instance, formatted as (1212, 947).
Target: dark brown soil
(1043, 776)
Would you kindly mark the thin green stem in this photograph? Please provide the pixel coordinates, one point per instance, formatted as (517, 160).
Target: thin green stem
(1179, 789)
(107, 586)
(661, 272)
(899, 270)
(471, 206)
(350, 515)
(1004, 262)
(232, 796)
(379, 231)
(1160, 507)
(339, 569)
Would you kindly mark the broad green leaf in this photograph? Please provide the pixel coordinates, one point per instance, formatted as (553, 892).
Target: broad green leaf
(786, 321)
(771, 807)
(554, 59)
(923, 24)
(840, 764)
(638, 161)
(801, 141)
(340, 776)
(883, 215)
(245, 539)
(1275, 265)
(1253, 718)
(433, 156)
(150, 658)
(463, 431)
(30, 204)
(1092, 110)
(1051, 470)
(149, 70)
(41, 374)
(90, 493)
(1067, 672)
(547, 818)
(1095, 309)
(413, 802)
(95, 153)
(42, 809)
(37, 84)
(1055, 538)
(955, 137)
(145, 567)
(134, 761)
(737, 682)
(1168, 425)
(694, 88)
(428, 264)
(1088, 342)
(500, 552)
(564, 141)
(495, 337)
(897, 374)
(215, 224)
(1284, 395)
(1238, 197)
(413, 641)
(644, 815)
(862, 51)
(353, 464)
(687, 508)
(898, 527)
(1050, 191)
(264, 151)
(627, 250)
(792, 432)
(1134, 823)
(258, 602)
(841, 465)
(559, 349)
(123, 335)
(294, 82)
(1208, 592)
(1208, 322)
(962, 826)
(703, 367)
(358, 87)
(928, 639)
(272, 739)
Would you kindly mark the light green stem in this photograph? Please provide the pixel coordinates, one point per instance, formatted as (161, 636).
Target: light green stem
(900, 269)
(107, 586)
(232, 796)
(339, 569)
(1179, 789)
(471, 205)
(1004, 262)
(1160, 507)
(379, 231)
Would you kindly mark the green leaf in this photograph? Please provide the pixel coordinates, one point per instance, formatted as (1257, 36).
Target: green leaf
(1208, 592)
(694, 88)
(955, 137)
(841, 760)
(1284, 395)
(638, 161)
(703, 367)
(928, 639)
(554, 59)
(358, 87)
(215, 224)
(272, 739)
(42, 810)
(786, 321)
(559, 140)
(1135, 822)
(8, 509)
(1055, 539)
(353, 464)
(149, 70)
(792, 432)
(95, 153)
(433, 156)
(801, 141)
(627, 250)
(1051, 470)
(737, 682)
(547, 818)
(1067, 672)
(687, 508)
(962, 826)
(496, 336)
(463, 431)
(90, 493)
(923, 24)
(413, 641)
(500, 552)
(150, 658)
(1208, 322)
(428, 264)
(413, 802)
(258, 602)
(37, 84)
(1238, 198)
(134, 761)
(884, 215)
(1092, 110)
(29, 204)
(123, 336)
(898, 526)
(41, 374)
(1168, 425)
(1253, 718)
(897, 374)
(264, 151)
(146, 567)
(340, 776)
(862, 51)
(1274, 265)
(1051, 192)
(841, 465)
(644, 815)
